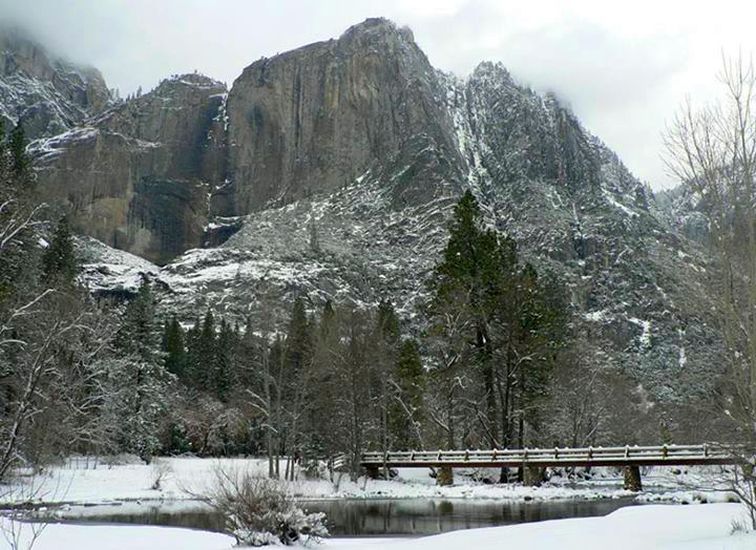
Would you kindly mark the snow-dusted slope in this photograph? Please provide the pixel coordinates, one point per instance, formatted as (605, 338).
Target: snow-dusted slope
(635, 285)
(109, 271)
(372, 225)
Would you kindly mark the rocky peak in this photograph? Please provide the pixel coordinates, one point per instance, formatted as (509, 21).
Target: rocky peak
(179, 114)
(492, 70)
(376, 32)
(311, 120)
(43, 93)
(197, 80)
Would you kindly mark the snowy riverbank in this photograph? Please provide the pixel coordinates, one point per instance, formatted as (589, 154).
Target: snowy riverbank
(699, 527)
(83, 486)
(82, 482)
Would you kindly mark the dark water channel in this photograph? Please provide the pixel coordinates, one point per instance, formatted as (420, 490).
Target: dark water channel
(408, 517)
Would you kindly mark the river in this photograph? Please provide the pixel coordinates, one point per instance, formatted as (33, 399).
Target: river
(372, 517)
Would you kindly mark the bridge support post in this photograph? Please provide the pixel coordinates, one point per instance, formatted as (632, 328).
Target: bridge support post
(633, 479)
(444, 476)
(533, 476)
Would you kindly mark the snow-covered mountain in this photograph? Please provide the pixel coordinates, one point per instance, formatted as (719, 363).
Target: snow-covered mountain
(44, 94)
(334, 168)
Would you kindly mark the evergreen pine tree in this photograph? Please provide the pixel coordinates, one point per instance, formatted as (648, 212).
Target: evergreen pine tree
(324, 388)
(406, 413)
(468, 283)
(204, 354)
(19, 254)
(192, 351)
(173, 347)
(224, 358)
(383, 344)
(59, 263)
(295, 380)
(540, 332)
(387, 321)
(17, 147)
(5, 164)
(137, 335)
(247, 359)
(327, 322)
(298, 339)
(136, 399)
(314, 237)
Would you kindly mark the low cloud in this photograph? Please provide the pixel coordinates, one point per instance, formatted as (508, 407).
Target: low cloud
(622, 69)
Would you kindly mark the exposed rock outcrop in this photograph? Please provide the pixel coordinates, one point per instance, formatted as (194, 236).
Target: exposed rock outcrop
(139, 177)
(311, 120)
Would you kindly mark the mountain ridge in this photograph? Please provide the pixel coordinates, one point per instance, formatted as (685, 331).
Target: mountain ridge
(341, 188)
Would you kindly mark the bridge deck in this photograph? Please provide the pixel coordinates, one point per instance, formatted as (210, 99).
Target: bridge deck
(664, 455)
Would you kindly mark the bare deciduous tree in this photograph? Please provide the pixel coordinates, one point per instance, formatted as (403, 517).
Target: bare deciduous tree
(713, 150)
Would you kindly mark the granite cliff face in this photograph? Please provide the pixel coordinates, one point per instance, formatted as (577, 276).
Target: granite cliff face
(300, 124)
(311, 120)
(44, 94)
(138, 176)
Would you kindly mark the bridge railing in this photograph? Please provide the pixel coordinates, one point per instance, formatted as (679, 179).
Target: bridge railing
(703, 453)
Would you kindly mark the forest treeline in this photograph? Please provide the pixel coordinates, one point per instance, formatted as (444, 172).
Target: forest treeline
(493, 359)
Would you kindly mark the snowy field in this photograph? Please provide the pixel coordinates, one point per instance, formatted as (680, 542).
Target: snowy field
(82, 482)
(699, 527)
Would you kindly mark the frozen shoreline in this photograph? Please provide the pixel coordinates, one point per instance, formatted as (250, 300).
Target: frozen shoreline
(129, 486)
(80, 484)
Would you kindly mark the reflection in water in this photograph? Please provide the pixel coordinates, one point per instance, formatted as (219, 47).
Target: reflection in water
(424, 517)
(391, 517)
(201, 517)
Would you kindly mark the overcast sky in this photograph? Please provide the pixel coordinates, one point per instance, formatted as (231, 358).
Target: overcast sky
(623, 67)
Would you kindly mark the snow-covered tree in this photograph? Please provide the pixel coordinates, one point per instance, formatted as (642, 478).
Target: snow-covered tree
(173, 347)
(59, 260)
(496, 325)
(137, 381)
(51, 335)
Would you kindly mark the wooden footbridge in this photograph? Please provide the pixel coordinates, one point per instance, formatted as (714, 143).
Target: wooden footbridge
(535, 461)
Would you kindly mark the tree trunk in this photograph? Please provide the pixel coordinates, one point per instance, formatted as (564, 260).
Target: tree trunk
(269, 438)
(633, 479)
(489, 387)
(533, 476)
(444, 476)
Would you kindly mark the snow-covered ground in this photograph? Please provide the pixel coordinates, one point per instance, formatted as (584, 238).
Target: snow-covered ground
(111, 537)
(85, 487)
(701, 527)
(88, 482)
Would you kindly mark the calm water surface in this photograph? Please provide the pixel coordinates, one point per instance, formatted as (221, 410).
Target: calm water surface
(409, 517)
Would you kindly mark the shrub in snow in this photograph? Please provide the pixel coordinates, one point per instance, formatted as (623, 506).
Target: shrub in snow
(743, 484)
(160, 470)
(258, 511)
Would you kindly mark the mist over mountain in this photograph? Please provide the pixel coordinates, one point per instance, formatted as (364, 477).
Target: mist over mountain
(45, 94)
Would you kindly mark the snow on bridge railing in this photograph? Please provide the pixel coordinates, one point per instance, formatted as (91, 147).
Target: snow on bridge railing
(703, 453)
